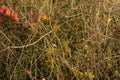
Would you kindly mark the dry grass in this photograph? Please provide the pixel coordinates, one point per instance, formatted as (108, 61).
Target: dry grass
(80, 41)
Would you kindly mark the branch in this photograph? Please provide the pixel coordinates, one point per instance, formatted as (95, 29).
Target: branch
(25, 46)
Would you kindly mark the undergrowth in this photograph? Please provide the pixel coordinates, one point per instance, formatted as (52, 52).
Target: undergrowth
(74, 40)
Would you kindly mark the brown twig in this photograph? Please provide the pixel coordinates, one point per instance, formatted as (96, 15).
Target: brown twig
(27, 45)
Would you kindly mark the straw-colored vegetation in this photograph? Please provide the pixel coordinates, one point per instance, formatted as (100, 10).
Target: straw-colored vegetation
(70, 40)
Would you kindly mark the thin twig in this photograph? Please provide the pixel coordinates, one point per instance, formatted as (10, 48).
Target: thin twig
(24, 46)
(72, 15)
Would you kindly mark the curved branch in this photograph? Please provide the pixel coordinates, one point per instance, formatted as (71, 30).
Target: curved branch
(24, 46)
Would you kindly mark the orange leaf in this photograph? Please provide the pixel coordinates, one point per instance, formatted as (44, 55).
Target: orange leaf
(28, 72)
(44, 17)
(7, 12)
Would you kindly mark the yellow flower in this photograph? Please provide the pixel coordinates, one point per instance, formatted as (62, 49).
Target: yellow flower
(43, 78)
(109, 20)
(45, 17)
(86, 46)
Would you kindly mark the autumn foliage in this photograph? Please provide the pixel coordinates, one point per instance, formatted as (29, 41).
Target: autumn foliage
(8, 12)
(32, 17)
(59, 40)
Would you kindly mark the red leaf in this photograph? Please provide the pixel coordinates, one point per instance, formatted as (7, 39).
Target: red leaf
(2, 9)
(14, 16)
(32, 17)
(29, 14)
(1, 20)
(33, 78)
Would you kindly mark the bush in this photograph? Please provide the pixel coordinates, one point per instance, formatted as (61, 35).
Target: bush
(60, 40)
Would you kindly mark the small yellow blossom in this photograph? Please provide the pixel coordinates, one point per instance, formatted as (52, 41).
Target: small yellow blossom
(43, 78)
(86, 46)
(45, 17)
(109, 20)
